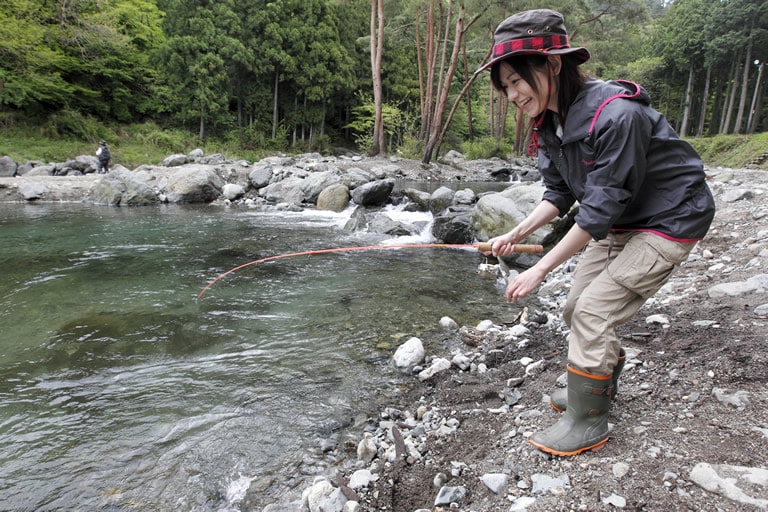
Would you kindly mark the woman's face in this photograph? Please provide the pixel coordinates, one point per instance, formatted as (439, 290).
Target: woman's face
(533, 101)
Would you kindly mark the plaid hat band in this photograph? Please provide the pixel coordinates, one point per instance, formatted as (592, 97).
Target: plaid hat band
(541, 43)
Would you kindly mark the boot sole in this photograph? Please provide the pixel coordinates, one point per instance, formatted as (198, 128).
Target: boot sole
(547, 449)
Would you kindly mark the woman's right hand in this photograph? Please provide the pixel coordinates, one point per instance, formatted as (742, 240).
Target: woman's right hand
(503, 245)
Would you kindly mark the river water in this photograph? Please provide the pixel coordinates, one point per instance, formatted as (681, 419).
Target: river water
(119, 390)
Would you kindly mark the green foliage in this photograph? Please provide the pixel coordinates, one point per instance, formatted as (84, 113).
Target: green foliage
(411, 147)
(486, 147)
(734, 151)
(70, 123)
(397, 124)
(235, 71)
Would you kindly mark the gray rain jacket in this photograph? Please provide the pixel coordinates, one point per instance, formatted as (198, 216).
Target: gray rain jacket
(625, 165)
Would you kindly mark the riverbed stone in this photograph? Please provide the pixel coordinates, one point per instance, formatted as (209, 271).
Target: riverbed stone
(194, 183)
(374, 193)
(747, 485)
(7, 167)
(409, 354)
(333, 198)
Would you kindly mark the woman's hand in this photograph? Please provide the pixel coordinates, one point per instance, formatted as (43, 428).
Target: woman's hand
(524, 283)
(503, 245)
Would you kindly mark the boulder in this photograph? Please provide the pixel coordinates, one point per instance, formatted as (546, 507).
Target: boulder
(454, 226)
(441, 199)
(194, 183)
(334, 198)
(497, 213)
(375, 193)
(121, 187)
(232, 191)
(287, 190)
(419, 198)
(260, 175)
(175, 160)
(317, 182)
(7, 167)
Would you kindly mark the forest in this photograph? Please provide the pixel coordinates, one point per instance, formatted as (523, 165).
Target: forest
(381, 76)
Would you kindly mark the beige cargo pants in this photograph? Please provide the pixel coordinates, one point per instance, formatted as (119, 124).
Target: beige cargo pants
(613, 279)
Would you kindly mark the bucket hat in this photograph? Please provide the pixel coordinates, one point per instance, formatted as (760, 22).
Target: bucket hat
(534, 32)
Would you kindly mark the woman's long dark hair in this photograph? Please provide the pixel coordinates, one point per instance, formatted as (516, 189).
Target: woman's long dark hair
(571, 77)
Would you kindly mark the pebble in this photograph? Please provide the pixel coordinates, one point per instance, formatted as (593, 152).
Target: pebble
(620, 470)
(615, 500)
(496, 482)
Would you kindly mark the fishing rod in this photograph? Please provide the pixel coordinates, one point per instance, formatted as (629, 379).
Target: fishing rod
(482, 247)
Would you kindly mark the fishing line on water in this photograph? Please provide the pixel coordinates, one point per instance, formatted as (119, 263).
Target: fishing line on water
(482, 247)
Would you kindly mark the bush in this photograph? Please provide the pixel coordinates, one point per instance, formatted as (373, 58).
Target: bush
(486, 147)
(70, 123)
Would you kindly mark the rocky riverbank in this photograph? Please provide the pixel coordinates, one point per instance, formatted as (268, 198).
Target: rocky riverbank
(690, 424)
(689, 428)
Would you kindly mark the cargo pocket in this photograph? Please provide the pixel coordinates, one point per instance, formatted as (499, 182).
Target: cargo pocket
(643, 272)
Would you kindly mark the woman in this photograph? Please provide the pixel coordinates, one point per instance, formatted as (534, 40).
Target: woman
(643, 205)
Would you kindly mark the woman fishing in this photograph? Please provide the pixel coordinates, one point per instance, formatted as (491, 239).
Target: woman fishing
(643, 205)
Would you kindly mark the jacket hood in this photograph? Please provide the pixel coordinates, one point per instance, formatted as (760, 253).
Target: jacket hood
(593, 98)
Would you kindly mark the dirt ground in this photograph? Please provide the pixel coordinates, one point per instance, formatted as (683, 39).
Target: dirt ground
(665, 420)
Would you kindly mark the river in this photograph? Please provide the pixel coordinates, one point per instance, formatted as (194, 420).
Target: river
(120, 390)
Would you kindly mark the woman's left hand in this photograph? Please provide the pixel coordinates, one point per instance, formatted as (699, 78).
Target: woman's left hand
(524, 283)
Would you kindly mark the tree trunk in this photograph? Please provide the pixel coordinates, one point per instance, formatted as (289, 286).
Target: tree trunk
(442, 99)
(275, 118)
(744, 86)
(704, 102)
(754, 116)
(467, 96)
(377, 48)
(687, 106)
(430, 57)
(731, 96)
(420, 68)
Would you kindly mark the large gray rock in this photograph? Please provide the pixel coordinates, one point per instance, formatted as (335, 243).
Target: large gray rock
(375, 193)
(287, 190)
(496, 214)
(41, 170)
(386, 225)
(260, 175)
(355, 176)
(120, 187)
(441, 199)
(175, 160)
(232, 191)
(317, 182)
(454, 226)
(7, 167)
(194, 183)
(418, 197)
(33, 191)
(334, 198)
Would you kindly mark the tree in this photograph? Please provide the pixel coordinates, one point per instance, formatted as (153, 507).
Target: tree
(92, 60)
(202, 46)
(377, 48)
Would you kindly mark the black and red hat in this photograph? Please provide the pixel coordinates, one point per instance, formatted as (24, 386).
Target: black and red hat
(534, 32)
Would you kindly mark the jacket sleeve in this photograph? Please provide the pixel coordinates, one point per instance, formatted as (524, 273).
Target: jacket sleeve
(620, 143)
(556, 190)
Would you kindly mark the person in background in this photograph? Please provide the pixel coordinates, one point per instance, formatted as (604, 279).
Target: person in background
(643, 205)
(104, 157)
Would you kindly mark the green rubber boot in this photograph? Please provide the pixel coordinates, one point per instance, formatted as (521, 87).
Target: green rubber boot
(584, 424)
(559, 398)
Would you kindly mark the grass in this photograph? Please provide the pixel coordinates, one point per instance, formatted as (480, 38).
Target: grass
(134, 145)
(734, 151)
(131, 145)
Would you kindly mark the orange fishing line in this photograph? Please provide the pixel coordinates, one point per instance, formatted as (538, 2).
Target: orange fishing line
(483, 247)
